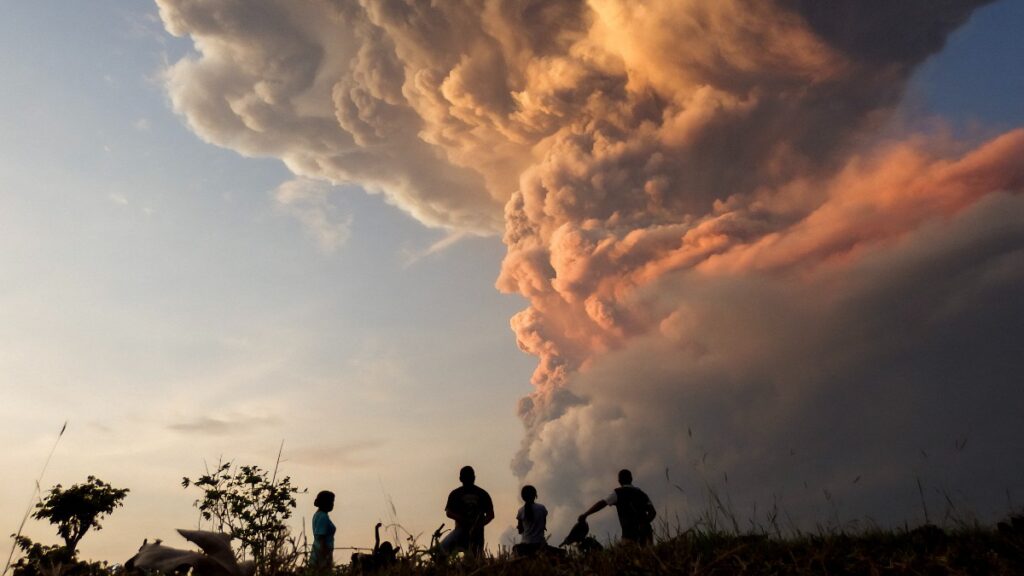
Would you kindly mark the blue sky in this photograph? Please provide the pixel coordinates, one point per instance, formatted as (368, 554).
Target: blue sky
(151, 281)
(156, 296)
(978, 76)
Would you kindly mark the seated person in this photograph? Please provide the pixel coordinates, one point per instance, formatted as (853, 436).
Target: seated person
(384, 554)
(531, 522)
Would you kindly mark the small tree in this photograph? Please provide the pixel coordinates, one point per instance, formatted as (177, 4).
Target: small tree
(79, 509)
(250, 505)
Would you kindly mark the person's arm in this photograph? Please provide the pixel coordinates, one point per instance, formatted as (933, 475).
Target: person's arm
(451, 510)
(376, 537)
(488, 514)
(454, 515)
(597, 507)
(519, 521)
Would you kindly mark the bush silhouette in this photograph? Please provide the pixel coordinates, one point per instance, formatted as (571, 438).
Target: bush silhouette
(74, 511)
(79, 508)
(252, 506)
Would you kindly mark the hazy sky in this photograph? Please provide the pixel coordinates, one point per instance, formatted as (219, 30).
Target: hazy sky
(157, 296)
(192, 270)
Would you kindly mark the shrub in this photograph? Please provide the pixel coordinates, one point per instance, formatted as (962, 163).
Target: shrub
(42, 560)
(74, 511)
(248, 504)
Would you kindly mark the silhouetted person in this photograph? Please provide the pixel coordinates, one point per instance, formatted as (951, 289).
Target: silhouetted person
(321, 557)
(636, 512)
(531, 522)
(471, 508)
(383, 555)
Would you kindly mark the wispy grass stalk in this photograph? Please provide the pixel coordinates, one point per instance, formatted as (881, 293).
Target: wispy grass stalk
(35, 498)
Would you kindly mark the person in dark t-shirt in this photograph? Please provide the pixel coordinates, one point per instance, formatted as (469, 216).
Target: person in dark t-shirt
(636, 512)
(471, 508)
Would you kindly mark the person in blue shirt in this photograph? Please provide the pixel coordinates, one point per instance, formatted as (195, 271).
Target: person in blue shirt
(322, 555)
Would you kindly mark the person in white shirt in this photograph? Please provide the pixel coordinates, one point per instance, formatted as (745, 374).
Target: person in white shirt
(531, 522)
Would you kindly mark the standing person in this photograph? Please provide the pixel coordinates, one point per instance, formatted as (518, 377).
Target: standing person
(471, 508)
(321, 557)
(636, 512)
(531, 522)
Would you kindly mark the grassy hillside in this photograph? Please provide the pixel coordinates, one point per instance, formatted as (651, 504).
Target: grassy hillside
(927, 550)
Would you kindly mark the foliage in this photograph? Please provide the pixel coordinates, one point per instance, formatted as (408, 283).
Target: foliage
(42, 560)
(251, 506)
(79, 508)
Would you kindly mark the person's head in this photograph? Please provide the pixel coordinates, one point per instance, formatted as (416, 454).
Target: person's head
(529, 493)
(625, 477)
(467, 476)
(387, 550)
(324, 500)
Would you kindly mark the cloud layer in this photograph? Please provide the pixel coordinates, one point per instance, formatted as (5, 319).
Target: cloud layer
(308, 202)
(727, 269)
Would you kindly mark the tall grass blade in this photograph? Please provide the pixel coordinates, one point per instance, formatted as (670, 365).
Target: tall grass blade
(35, 496)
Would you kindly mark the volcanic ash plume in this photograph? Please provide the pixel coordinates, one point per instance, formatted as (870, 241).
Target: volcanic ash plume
(729, 272)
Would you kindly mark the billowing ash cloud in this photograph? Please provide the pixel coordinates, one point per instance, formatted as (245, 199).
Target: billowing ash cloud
(728, 271)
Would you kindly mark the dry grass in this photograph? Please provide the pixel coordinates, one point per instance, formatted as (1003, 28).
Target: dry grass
(927, 550)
